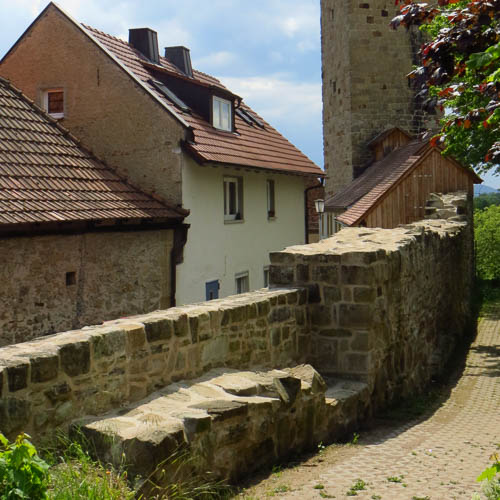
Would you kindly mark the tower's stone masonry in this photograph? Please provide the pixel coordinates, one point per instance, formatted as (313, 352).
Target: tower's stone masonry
(365, 90)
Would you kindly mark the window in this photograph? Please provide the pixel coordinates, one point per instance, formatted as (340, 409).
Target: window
(221, 114)
(233, 198)
(53, 102)
(242, 282)
(212, 290)
(266, 276)
(70, 278)
(271, 209)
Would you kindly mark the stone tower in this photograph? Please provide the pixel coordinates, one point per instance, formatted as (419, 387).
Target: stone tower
(365, 90)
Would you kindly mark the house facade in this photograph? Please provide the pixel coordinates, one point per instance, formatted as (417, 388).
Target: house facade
(177, 133)
(78, 244)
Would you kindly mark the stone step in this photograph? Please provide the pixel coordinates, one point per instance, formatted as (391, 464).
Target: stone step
(232, 421)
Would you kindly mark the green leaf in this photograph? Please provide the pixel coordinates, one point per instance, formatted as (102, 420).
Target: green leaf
(482, 59)
(494, 77)
(3, 440)
(488, 474)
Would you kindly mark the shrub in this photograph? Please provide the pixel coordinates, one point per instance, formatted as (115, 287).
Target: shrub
(487, 234)
(491, 478)
(23, 474)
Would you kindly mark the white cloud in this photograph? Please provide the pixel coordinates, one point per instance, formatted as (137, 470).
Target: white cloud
(294, 108)
(215, 60)
(290, 26)
(276, 98)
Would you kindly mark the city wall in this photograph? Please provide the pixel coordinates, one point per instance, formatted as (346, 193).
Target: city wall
(382, 307)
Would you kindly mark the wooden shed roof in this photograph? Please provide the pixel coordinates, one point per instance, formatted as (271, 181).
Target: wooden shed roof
(361, 196)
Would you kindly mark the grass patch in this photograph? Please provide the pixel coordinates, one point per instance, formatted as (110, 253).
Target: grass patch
(74, 475)
(358, 485)
(395, 479)
(66, 470)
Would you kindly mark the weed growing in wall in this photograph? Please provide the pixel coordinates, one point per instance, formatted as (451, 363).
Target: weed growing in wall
(23, 474)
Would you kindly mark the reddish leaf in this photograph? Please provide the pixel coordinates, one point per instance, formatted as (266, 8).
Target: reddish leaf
(435, 140)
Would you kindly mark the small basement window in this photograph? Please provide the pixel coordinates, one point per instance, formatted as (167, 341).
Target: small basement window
(271, 208)
(233, 198)
(221, 114)
(53, 102)
(242, 282)
(70, 278)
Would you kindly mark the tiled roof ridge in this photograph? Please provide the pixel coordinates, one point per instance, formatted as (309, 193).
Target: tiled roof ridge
(91, 156)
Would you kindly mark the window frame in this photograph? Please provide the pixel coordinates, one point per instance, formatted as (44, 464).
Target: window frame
(271, 199)
(46, 94)
(238, 202)
(245, 275)
(217, 116)
(266, 276)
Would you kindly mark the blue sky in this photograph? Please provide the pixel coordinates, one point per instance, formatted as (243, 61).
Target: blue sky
(267, 51)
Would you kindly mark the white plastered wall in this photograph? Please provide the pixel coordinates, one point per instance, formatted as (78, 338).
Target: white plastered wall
(216, 250)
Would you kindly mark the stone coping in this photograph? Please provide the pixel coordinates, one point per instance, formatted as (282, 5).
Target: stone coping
(227, 419)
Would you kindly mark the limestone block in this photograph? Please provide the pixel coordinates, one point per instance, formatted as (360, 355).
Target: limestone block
(15, 414)
(158, 328)
(44, 367)
(280, 275)
(355, 315)
(17, 375)
(75, 358)
(309, 376)
(356, 275)
(108, 343)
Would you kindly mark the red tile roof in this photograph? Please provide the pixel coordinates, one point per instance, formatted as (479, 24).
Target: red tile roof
(380, 175)
(46, 177)
(379, 178)
(251, 146)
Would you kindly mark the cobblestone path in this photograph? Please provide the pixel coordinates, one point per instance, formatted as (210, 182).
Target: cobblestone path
(438, 458)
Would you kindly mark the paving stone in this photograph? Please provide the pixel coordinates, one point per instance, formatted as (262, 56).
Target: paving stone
(438, 458)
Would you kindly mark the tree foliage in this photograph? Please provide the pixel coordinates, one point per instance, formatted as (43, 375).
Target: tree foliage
(485, 200)
(460, 73)
(487, 235)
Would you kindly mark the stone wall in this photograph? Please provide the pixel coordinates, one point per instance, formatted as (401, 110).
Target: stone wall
(56, 283)
(365, 89)
(386, 306)
(51, 381)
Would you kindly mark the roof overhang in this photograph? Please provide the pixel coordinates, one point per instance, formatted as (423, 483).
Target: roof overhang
(188, 147)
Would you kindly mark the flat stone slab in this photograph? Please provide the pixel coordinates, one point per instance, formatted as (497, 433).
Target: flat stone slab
(232, 421)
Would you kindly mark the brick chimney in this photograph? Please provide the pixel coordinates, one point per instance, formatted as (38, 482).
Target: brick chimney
(179, 56)
(145, 40)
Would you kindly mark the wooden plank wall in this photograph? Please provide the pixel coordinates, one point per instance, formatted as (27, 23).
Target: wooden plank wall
(393, 141)
(405, 203)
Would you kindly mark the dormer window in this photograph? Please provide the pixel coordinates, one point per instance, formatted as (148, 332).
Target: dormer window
(221, 114)
(53, 102)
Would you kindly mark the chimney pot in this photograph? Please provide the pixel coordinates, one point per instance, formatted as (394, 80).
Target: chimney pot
(145, 40)
(180, 57)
